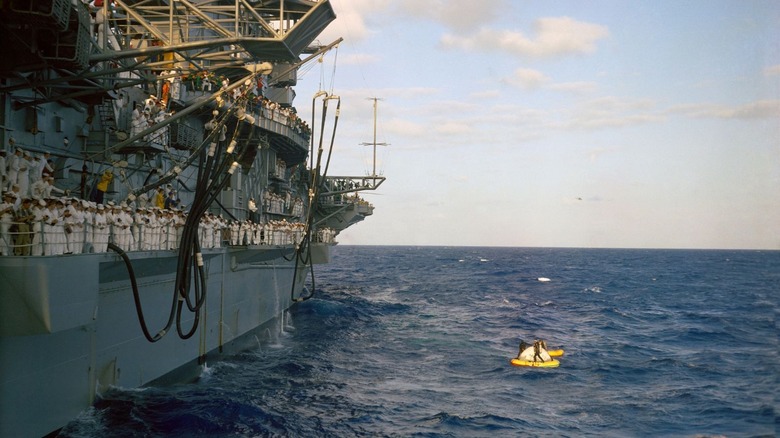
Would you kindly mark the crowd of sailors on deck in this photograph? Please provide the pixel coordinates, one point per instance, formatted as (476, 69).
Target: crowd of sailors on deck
(38, 218)
(32, 174)
(57, 226)
(155, 110)
(278, 204)
(54, 226)
(148, 114)
(173, 84)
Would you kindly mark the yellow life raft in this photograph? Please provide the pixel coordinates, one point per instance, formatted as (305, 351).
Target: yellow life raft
(555, 353)
(527, 363)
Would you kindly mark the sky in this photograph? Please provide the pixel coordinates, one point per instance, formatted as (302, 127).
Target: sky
(621, 124)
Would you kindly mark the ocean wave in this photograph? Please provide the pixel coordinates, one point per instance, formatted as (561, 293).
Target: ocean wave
(417, 343)
(469, 423)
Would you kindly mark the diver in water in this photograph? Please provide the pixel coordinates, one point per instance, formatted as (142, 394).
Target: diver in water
(535, 352)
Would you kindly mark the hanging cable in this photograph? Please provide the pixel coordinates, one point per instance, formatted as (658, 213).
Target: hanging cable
(217, 161)
(317, 183)
(332, 138)
(137, 299)
(216, 166)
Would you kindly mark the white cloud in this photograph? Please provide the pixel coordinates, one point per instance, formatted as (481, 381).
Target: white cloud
(400, 128)
(591, 121)
(553, 36)
(761, 109)
(527, 78)
(581, 87)
(453, 128)
(350, 20)
(485, 94)
(772, 71)
(596, 153)
(459, 15)
(612, 112)
(354, 17)
(530, 79)
(359, 59)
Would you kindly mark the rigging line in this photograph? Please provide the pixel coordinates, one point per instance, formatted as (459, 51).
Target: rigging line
(304, 61)
(322, 71)
(167, 155)
(225, 210)
(169, 176)
(304, 70)
(333, 75)
(197, 106)
(184, 184)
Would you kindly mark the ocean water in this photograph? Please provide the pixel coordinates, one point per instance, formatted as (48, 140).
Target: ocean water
(416, 342)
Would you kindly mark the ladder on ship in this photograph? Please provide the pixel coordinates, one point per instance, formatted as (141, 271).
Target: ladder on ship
(107, 116)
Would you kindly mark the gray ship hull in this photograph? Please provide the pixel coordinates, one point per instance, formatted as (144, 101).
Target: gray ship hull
(131, 109)
(70, 330)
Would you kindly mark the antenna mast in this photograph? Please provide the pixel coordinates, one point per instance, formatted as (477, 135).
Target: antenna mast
(374, 143)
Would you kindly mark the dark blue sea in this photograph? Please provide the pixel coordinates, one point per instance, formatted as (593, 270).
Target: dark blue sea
(416, 342)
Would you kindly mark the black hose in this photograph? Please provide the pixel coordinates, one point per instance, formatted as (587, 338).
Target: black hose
(136, 297)
(208, 189)
(189, 269)
(318, 181)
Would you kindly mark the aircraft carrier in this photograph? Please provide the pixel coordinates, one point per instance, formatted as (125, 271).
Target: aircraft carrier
(107, 107)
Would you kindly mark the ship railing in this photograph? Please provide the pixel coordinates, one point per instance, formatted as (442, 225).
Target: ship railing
(325, 235)
(44, 238)
(336, 185)
(341, 200)
(183, 136)
(267, 115)
(272, 233)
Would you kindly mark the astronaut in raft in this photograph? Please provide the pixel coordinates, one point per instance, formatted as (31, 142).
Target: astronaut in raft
(533, 353)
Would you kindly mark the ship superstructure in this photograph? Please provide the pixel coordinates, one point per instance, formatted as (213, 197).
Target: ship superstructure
(172, 121)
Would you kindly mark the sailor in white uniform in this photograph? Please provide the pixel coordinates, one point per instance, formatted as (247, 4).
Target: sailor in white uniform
(56, 240)
(6, 217)
(179, 220)
(100, 229)
(39, 210)
(125, 234)
(3, 171)
(14, 161)
(139, 221)
(69, 222)
(52, 235)
(234, 229)
(23, 174)
(78, 227)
